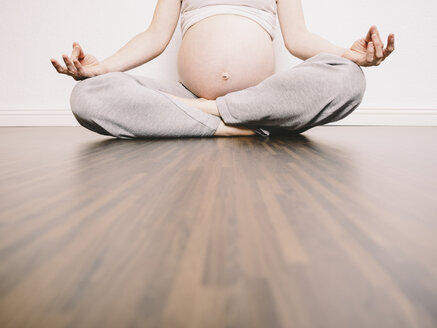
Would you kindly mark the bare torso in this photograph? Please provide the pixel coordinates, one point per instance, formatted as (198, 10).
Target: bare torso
(224, 53)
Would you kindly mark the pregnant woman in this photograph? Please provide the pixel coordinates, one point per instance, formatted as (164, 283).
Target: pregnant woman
(227, 82)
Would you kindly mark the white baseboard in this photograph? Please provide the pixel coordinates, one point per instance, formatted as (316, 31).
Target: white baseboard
(387, 116)
(37, 116)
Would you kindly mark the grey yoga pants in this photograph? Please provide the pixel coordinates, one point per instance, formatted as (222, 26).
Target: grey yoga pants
(322, 89)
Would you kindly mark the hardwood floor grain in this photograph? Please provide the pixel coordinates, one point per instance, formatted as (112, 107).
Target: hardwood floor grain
(333, 228)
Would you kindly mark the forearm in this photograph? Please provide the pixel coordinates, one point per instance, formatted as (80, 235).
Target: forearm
(307, 44)
(142, 48)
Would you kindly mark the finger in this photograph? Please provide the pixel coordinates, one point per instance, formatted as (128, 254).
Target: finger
(375, 31)
(369, 34)
(370, 54)
(390, 45)
(376, 38)
(69, 64)
(59, 67)
(75, 53)
(81, 54)
(378, 46)
(79, 67)
(380, 39)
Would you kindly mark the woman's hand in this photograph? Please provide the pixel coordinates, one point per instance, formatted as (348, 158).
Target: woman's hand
(80, 65)
(369, 51)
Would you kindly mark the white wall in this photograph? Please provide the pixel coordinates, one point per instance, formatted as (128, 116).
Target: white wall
(33, 31)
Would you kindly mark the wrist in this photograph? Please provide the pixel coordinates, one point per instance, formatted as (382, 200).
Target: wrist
(349, 54)
(344, 52)
(104, 68)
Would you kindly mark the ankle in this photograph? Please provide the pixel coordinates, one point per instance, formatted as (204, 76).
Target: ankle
(224, 130)
(210, 107)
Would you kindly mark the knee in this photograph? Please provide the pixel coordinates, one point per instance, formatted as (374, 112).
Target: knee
(87, 96)
(80, 97)
(345, 77)
(352, 81)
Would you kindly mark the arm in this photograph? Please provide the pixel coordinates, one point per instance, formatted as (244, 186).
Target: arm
(308, 44)
(303, 44)
(149, 44)
(142, 48)
(297, 39)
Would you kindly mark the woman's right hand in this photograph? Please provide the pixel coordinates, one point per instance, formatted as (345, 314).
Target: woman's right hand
(80, 66)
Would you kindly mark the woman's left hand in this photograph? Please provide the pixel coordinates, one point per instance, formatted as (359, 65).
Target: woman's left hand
(369, 51)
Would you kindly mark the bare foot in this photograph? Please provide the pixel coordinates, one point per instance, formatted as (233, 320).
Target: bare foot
(205, 105)
(209, 107)
(224, 130)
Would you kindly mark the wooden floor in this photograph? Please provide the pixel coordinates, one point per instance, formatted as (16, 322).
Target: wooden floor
(333, 228)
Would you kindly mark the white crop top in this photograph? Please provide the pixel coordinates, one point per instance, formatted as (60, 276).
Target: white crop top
(261, 11)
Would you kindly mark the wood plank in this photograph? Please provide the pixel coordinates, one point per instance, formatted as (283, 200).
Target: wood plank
(332, 228)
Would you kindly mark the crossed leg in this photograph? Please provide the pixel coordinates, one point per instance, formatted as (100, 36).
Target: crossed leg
(324, 88)
(131, 106)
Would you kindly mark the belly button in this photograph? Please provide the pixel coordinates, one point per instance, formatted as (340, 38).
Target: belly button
(225, 76)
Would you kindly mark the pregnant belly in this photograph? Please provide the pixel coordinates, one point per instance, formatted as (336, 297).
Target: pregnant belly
(224, 53)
